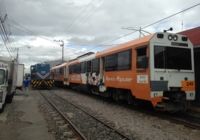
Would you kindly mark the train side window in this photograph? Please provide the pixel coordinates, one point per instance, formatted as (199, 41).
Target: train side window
(111, 62)
(124, 60)
(83, 67)
(142, 61)
(61, 71)
(78, 68)
(70, 69)
(95, 65)
(89, 66)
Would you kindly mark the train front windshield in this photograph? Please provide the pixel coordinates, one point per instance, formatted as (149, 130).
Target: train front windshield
(172, 58)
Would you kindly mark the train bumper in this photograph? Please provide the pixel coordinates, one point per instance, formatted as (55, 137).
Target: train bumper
(42, 84)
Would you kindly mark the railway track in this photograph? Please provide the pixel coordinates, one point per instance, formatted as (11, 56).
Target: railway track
(185, 119)
(65, 129)
(189, 119)
(85, 125)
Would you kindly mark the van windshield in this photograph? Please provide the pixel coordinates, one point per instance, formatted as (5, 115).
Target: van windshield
(2, 76)
(172, 58)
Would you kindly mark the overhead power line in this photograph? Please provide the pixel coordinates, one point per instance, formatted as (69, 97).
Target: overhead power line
(79, 15)
(172, 15)
(156, 22)
(4, 34)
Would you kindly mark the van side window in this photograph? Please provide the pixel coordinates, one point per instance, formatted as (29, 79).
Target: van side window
(124, 60)
(95, 65)
(111, 62)
(142, 61)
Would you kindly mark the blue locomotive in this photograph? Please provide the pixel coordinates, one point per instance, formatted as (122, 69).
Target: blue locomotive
(40, 76)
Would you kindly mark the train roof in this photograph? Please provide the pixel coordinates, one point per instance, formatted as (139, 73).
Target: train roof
(59, 66)
(139, 41)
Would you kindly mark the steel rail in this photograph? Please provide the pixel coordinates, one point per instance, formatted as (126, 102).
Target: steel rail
(72, 126)
(89, 114)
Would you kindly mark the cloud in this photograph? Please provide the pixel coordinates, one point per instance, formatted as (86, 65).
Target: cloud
(84, 25)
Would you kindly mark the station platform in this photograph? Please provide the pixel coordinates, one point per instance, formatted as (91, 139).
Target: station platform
(22, 120)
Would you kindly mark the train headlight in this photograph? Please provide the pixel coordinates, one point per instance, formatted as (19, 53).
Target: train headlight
(184, 38)
(175, 37)
(170, 37)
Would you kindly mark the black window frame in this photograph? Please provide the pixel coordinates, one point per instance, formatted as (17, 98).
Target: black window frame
(111, 62)
(172, 58)
(83, 67)
(122, 65)
(95, 65)
(141, 57)
(89, 66)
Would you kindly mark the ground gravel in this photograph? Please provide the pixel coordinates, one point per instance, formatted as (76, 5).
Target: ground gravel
(135, 124)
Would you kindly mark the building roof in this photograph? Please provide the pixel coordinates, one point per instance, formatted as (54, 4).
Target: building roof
(193, 35)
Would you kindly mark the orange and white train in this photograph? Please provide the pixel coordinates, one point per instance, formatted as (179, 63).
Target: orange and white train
(158, 68)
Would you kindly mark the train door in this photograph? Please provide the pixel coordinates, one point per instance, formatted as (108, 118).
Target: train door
(88, 73)
(95, 76)
(142, 77)
(66, 75)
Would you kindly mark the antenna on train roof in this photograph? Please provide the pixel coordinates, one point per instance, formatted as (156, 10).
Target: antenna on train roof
(170, 29)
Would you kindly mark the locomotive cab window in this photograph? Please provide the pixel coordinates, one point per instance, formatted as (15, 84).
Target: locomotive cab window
(142, 60)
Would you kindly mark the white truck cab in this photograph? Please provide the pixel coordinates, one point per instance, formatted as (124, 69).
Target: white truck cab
(9, 76)
(3, 84)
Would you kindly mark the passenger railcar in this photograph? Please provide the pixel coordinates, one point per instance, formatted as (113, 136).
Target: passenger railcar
(40, 76)
(158, 68)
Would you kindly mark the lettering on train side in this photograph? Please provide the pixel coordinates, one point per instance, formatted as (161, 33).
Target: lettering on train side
(119, 79)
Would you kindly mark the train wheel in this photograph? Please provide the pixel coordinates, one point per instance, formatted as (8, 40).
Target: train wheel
(115, 97)
(130, 99)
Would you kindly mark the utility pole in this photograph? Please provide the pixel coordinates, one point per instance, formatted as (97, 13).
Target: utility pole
(61, 42)
(17, 49)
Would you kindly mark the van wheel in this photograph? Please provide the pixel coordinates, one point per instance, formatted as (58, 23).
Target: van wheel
(2, 109)
(9, 98)
(130, 99)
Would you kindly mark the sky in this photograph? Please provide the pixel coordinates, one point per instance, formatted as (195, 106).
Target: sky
(35, 26)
